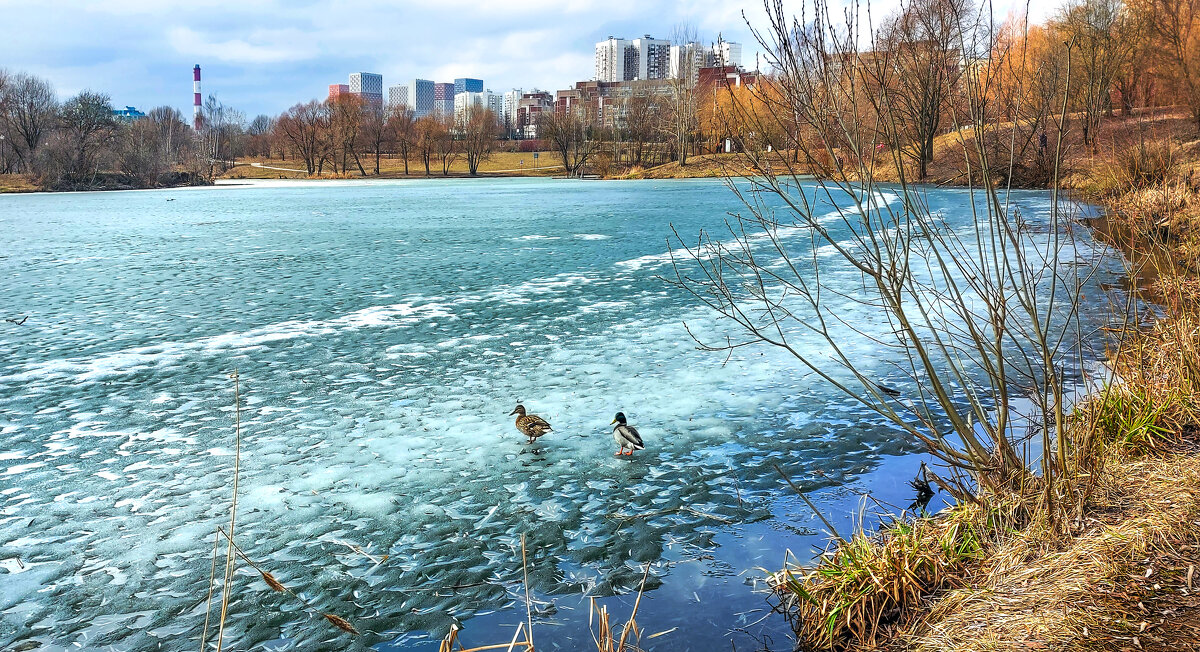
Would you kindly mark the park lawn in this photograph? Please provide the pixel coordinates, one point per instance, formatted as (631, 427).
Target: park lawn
(506, 163)
(16, 183)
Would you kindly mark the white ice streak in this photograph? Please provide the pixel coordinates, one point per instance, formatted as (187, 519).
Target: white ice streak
(152, 356)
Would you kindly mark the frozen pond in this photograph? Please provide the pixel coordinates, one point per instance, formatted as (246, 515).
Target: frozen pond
(383, 332)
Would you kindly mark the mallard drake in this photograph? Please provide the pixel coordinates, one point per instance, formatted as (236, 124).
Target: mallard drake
(626, 436)
(530, 425)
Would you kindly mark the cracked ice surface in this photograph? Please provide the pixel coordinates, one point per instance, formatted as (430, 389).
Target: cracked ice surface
(383, 331)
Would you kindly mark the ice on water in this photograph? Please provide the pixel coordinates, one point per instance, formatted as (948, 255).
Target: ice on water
(382, 333)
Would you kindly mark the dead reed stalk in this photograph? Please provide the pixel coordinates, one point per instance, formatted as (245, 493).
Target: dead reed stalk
(230, 559)
(528, 602)
(233, 551)
(276, 585)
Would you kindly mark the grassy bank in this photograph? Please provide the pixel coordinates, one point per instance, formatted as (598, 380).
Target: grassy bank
(17, 183)
(1123, 572)
(514, 164)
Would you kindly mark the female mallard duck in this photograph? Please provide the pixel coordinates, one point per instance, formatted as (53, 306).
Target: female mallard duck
(530, 425)
(626, 436)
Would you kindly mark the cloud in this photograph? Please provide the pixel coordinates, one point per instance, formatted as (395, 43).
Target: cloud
(260, 46)
(262, 56)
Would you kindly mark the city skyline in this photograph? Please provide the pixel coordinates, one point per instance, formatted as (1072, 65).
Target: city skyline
(265, 57)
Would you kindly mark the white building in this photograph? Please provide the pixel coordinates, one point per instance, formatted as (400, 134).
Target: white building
(398, 96)
(468, 100)
(416, 95)
(612, 56)
(640, 59)
(653, 57)
(727, 54)
(495, 103)
(485, 100)
(687, 60)
(369, 86)
(512, 100)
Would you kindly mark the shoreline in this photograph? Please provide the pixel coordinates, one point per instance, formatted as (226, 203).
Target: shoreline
(1141, 509)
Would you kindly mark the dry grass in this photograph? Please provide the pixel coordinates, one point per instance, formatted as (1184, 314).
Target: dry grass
(1122, 574)
(703, 166)
(1161, 367)
(235, 552)
(606, 636)
(500, 163)
(974, 579)
(1164, 217)
(855, 594)
(1074, 594)
(17, 183)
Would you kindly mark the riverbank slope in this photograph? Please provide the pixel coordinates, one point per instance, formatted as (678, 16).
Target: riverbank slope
(1122, 573)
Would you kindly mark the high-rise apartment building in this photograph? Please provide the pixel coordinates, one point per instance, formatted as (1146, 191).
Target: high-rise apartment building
(443, 98)
(417, 95)
(727, 54)
(398, 96)
(687, 60)
(369, 86)
(529, 111)
(508, 119)
(642, 58)
(466, 101)
(611, 58)
(421, 97)
(468, 85)
(653, 57)
(338, 90)
(495, 104)
(485, 100)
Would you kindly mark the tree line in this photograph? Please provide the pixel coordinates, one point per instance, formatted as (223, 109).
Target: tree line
(336, 135)
(913, 79)
(79, 143)
(902, 84)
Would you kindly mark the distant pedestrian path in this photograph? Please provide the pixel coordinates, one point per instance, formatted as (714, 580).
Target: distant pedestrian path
(268, 167)
(544, 167)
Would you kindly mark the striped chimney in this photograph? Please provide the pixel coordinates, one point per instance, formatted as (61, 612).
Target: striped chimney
(196, 97)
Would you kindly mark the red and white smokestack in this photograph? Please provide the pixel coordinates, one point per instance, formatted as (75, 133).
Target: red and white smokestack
(196, 97)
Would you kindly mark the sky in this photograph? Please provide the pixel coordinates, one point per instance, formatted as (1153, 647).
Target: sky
(262, 56)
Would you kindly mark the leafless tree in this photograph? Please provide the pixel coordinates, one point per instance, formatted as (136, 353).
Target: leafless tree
(172, 133)
(1176, 23)
(978, 318)
(87, 124)
(221, 132)
(28, 116)
(477, 128)
(920, 56)
(140, 153)
(428, 130)
(377, 134)
(1028, 88)
(154, 146)
(1091, 29)
(680, 120)
(566, 133)
(8, 157)
(401, 123)
(1133, 35)
(346, 114)
(258, 136)
(641, 112)
(303, 127)
(444, 144)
